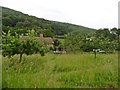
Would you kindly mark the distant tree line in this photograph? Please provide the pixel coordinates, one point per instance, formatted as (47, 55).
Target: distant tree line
(103, 39)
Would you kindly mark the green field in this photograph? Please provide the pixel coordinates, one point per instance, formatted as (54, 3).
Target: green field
(61, 71)
(0, 71)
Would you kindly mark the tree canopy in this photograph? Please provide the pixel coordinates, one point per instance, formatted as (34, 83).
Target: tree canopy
(15, 45)
(103, 39)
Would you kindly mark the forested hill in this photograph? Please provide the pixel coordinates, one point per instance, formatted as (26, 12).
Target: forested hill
(21, 23)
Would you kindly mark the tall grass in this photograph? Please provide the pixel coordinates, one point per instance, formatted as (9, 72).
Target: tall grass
(0, 72)
(61, 71)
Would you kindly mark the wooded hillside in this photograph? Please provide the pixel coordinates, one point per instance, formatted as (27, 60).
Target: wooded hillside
(21, 23)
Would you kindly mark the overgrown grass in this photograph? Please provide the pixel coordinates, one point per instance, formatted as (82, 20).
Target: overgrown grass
(61, 71)
(0, 71)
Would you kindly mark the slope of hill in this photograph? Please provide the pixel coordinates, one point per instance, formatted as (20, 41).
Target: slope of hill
(21, 23)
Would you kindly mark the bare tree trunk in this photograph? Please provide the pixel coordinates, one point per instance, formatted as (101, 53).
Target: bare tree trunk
(20, 57)
(95, 54)
(21, 53)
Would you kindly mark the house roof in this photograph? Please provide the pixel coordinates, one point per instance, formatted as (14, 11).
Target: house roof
(23, 37)
(47, 40)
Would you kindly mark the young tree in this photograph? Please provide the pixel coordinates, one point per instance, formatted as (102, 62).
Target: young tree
(15, 45)
(73, 42)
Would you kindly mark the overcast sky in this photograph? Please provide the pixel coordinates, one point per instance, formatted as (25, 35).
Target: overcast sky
(90, 13)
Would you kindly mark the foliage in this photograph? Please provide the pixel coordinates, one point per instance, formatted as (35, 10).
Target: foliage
(102, 40)
(15, 45)
(73, 42)
(56, 42)
(58, 45)
(22, 23)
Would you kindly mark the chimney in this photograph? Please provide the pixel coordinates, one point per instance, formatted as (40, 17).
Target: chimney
(41, 35)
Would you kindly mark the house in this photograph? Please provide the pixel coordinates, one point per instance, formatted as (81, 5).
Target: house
(46, 41)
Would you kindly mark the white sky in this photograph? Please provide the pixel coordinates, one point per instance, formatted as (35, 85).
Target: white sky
(90, 13)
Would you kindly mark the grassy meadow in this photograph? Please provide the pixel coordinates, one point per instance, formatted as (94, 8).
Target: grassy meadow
(0, 71)
(61, 71)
